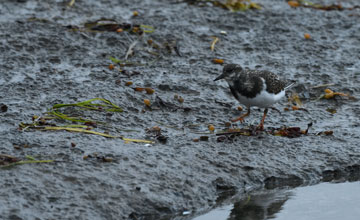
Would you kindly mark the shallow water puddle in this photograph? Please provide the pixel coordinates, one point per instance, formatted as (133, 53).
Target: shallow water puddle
(323, 201)
(217, 214)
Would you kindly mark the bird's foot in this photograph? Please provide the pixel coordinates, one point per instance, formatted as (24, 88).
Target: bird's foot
(241, 119)
(260, 127)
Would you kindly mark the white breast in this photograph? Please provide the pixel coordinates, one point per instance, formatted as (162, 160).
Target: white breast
(262, 100)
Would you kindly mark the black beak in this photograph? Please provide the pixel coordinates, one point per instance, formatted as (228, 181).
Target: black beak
(220, 77)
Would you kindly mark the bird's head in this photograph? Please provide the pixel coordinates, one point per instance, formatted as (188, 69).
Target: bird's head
(229, 71)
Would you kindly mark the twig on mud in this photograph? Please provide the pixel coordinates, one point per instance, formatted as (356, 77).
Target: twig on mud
(71, 3)
(151, 52)
(212, 47)
(204, 132)
(31, 125)
(246, 132)
(130, 50)
(322, 85)
(128, 140)
(168, 126)
(7, 161)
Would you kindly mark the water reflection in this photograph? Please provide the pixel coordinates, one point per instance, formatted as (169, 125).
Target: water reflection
(255, 207)
(323, 201)
(259, 207)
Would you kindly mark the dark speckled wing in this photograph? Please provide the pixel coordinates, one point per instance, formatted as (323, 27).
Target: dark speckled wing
(273, 83)
(247, 85)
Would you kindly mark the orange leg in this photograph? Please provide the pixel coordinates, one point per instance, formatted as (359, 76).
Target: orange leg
(261, 125)
(241, 118)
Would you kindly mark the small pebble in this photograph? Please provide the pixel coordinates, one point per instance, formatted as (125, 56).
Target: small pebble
(107, 159)
(204, 138)
(147, 102)
(186, 212)
(196, 140)
(128, 83)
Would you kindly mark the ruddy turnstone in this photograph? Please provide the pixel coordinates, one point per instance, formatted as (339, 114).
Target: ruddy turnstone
(254, 88)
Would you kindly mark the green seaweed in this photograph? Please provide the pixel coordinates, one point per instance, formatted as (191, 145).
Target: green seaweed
(60, 115)
(108, 106)
(147, 28)
(29, 159)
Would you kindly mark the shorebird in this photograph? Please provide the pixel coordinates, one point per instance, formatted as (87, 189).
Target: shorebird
(259, 88)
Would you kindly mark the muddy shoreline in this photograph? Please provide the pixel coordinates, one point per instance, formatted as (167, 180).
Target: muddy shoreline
(44, 62)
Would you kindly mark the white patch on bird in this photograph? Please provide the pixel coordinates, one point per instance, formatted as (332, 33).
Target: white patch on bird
(262, 100)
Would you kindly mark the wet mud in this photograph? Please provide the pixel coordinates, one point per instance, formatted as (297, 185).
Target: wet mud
(44, 61)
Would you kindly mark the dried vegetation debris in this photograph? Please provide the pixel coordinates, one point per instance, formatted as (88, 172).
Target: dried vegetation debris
(329, 94)
(3, 108)
(8, 161)
(231, 5)
(310, 4)
(98, 157)
(156, 133)
(161, 104)
(290, 132)
(295, 103)
(112, 25)
(72, 119)
(229, 133)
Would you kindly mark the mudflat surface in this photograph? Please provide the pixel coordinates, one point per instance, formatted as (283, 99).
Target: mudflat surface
(43, 61)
